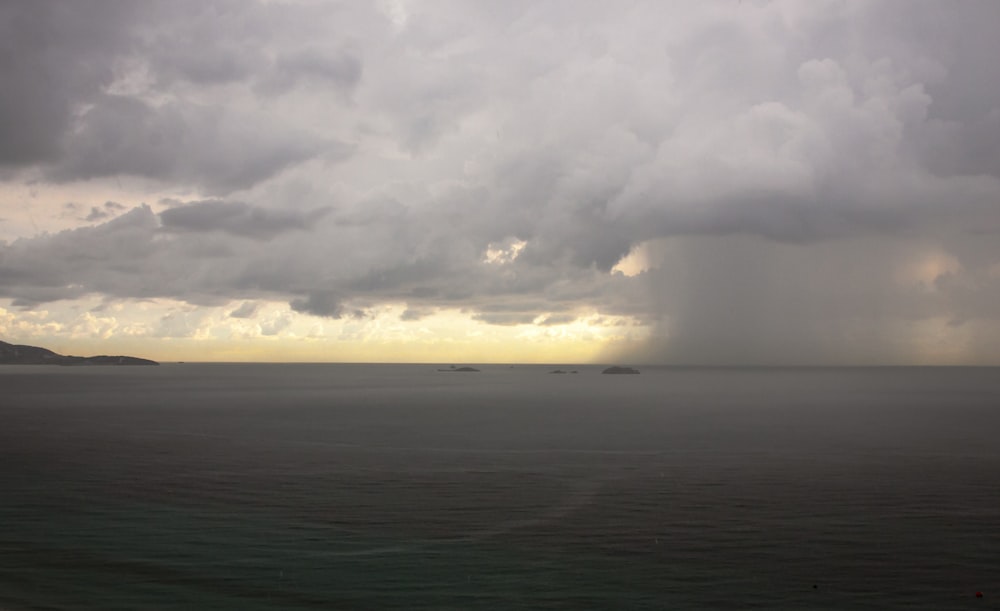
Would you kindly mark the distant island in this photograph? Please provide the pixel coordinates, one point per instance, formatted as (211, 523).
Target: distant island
(620, 370)
(12, 354)
(460, 369)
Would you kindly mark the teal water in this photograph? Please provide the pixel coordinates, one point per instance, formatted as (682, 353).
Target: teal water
(399, 487)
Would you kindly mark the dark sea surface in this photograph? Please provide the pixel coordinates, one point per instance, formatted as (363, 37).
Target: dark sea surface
(232, 486)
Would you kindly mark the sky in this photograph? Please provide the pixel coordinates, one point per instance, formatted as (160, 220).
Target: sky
(720, 182)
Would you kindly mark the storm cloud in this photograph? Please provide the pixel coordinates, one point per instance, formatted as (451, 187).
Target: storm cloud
(754, 182)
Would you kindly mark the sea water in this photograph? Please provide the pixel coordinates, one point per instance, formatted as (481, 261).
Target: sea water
(315, 486)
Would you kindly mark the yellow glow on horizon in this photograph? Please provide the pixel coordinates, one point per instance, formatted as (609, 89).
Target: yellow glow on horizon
(167, 330)
(938, 341)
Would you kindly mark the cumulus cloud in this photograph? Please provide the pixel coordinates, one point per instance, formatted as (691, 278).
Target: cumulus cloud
(276, 325)
(785, 168)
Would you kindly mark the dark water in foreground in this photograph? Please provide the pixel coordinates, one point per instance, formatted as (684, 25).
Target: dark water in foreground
(397, 487)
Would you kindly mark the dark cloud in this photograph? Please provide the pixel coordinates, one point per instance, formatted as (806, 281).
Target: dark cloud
(237, 218)
(53, 57)
(412, 314)
(320, 303)
(248, 309)
(77, 262)
(209, 146)
(98, 91)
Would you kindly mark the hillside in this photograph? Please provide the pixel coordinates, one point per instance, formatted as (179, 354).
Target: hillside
(13, 354)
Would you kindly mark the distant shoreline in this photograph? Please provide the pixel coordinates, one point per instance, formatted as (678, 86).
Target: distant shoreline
(15, 354)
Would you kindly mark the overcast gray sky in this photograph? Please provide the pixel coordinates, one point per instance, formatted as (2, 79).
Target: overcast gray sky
(717, 182)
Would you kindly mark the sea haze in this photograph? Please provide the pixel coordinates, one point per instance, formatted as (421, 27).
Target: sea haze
(268, 486)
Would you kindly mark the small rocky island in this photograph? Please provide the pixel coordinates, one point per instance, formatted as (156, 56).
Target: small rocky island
(617, 369)
(460, 369)
(12, 354)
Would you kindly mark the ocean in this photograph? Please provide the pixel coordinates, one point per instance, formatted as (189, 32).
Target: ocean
(319, 486)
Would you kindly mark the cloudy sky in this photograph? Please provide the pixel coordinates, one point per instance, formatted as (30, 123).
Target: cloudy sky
(710, 182)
